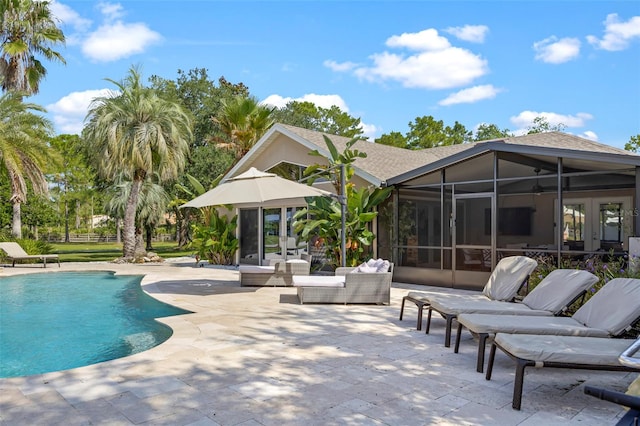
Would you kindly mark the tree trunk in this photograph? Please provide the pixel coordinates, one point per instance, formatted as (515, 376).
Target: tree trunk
(66, 222)
(149, 235)
(129, 234)
(118, 230)
(16, 226)
(78, 215)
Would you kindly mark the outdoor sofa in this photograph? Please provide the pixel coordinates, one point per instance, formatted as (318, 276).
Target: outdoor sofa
(349, 285)
(571, 352)
(16, 253)
(277, 274)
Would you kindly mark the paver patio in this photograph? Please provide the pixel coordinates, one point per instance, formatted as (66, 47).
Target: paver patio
(254, 356)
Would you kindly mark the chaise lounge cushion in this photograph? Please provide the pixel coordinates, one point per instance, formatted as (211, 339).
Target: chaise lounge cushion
(613, 308)
(507, 277)
(564, 349)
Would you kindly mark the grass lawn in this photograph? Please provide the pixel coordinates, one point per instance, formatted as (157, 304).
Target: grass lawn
(97, 252)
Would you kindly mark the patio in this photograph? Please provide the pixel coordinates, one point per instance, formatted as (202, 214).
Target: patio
(254, 356)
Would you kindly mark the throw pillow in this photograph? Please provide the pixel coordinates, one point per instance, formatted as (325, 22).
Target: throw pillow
(384, 266)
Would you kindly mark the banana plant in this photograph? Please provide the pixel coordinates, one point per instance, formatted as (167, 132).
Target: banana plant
(322, 220)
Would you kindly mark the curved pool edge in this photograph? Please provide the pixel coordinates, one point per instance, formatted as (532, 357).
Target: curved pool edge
(184, 332)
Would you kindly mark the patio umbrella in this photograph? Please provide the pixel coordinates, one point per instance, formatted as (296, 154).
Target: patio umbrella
(254, 188)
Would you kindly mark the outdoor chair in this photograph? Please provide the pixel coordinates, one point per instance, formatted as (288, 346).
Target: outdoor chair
(571, 352)
(348, 285)
(509, 275)
(16, 253)
(608, 313)
(552, 296)
(277, 274)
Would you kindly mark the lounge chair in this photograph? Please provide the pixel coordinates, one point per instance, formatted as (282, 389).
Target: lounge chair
(552, 296)
(609, 313)
(504, 283)
(16, 253)
(572, 352)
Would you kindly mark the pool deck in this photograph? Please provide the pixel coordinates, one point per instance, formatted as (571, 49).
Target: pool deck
(255, 356)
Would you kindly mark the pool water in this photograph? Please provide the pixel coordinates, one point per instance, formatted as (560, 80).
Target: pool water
(61, 320)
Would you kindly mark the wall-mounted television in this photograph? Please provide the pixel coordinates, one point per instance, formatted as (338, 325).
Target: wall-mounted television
(511, 221)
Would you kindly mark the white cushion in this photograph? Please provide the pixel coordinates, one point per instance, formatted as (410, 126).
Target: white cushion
(318, 280)
(372, 266)
(383, 266)
(364, 268)
(296, 261)
(256, 269)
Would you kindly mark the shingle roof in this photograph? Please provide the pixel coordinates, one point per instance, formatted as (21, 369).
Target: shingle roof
(384, 162)
(563, 141)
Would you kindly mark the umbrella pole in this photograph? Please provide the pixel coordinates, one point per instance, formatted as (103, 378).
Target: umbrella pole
(343, 213)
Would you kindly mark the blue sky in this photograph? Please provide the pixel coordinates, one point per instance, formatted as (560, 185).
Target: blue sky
(576, 63)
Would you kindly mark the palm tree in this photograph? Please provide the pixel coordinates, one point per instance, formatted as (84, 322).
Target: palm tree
(23, 151)
(243, 120)
(28, 29)
(152, 205)
(136, 133)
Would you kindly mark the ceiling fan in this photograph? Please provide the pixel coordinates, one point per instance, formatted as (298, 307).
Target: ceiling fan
(537, 188)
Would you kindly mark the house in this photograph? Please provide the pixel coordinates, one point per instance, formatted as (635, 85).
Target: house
(456, 210)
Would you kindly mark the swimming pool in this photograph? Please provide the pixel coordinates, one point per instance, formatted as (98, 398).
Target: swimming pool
(61, 320)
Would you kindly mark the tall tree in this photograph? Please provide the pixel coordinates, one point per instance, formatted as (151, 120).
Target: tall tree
(634, 143)
(199, 95)
(152, 205)
(396, 139)
(136, 133)
(74, 179)
(542, 125)
(487, 131)
(308, 115)
(427, 132)
(24, 151)
(243, 121)
(29, 30)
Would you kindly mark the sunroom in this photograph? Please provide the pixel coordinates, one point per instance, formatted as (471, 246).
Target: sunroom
(550, 196)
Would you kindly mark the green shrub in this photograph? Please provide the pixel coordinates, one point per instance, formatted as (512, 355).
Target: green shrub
(216, 242)
(606, 267)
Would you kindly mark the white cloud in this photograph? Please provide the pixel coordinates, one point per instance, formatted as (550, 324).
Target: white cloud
(118, 40)
(525, 119)
(68, 16)
(556, 51)
(435, 65)
(69, 112)
(111, 11)
(113, 40)
(470, 33)
(339, 67)
(589, 135)
(370, 131)
(617, 35)
(471, 95)
(424, 40)
(324, 101)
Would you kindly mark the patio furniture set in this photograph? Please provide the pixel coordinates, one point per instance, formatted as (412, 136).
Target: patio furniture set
(366, 283)
(279, 273)
(536, 331)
